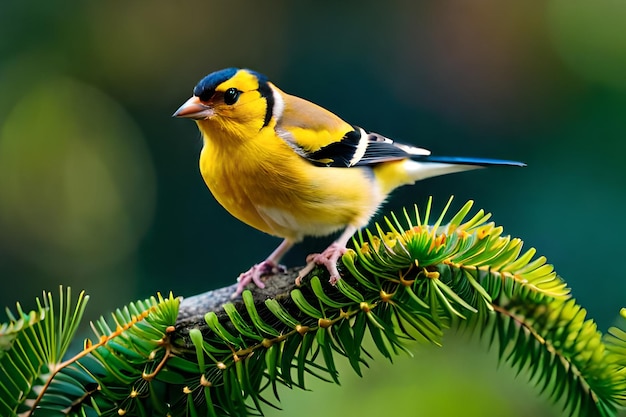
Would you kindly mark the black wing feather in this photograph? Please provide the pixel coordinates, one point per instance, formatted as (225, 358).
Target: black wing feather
(342, 154)
(337, 154)
(378, 152)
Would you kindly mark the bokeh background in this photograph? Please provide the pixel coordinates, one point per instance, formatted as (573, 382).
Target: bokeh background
(100, 190)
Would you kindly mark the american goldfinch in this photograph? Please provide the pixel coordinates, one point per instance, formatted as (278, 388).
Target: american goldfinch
(291, 168)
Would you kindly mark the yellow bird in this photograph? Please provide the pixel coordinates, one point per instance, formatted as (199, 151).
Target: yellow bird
(291, 168)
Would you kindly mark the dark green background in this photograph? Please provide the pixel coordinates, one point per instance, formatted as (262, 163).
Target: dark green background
(99, 187)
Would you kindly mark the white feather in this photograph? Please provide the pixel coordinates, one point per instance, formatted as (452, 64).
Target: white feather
(360, 149)
(422, 170)
(413, 150)
(279, 104)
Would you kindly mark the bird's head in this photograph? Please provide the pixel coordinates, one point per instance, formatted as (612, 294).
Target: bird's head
(237, 101)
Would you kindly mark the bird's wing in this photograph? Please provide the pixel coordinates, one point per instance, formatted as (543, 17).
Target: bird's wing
(358, 147)
(326, 140)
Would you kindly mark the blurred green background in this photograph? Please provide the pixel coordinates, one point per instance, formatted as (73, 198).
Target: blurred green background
(100, 190)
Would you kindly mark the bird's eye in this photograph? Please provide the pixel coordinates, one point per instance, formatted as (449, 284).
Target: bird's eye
(231, 96)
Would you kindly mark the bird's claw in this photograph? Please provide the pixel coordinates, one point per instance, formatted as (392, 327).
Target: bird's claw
(328, 259)
(255, 274)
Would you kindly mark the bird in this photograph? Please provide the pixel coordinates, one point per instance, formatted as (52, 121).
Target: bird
(293, 169)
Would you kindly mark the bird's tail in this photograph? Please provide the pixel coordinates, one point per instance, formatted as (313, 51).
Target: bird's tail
(461, 160)
(426, 166)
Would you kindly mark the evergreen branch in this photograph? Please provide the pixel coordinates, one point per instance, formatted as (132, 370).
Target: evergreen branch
(36, 344)
(212, 356)
(564, 352)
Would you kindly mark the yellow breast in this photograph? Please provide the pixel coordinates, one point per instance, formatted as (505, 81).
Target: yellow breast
(264, 183)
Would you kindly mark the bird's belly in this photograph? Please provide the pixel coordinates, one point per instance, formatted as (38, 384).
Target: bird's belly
(298, 226)
(284, 202)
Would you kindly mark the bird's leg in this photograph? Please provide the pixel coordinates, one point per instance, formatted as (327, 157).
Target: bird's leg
(268, 266)
(329, 257)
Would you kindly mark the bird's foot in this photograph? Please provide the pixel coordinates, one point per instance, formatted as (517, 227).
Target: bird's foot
(328, 258)
(254, 275)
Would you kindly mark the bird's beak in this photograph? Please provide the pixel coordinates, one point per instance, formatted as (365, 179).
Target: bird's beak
(194, 109)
